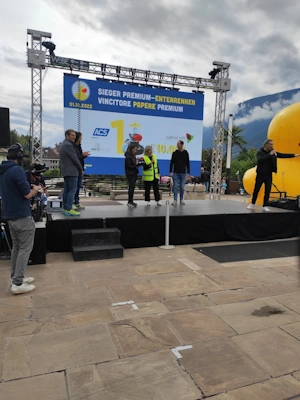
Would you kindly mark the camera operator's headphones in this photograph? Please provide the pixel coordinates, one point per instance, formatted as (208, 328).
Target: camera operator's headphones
(16, 152)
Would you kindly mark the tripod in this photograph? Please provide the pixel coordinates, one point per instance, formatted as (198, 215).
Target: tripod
(4, 236)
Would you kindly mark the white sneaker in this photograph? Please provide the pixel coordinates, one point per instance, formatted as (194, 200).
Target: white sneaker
(159, 203)
(148, 203)
(182, 203)
(250, 206)
(174, 203)
(30, 279)
(266, 209)
(24, 288)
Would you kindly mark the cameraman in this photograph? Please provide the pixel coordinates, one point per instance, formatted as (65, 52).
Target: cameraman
(34, 177)
(15, 192)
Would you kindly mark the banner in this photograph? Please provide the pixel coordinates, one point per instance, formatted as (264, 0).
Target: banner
(111, 115)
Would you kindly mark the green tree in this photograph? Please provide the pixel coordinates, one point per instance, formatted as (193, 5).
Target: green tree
(206, 159)
(245, 160)
(237, 139)
(52, 173)
(14, 137)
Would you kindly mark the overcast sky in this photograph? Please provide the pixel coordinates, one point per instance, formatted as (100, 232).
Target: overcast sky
(259, 38)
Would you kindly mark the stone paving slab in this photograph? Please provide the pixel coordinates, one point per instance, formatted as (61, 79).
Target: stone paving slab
(273, 389)
(289, 270)
(102, 272)
(159, 267)
(55, 351)
(255, 314)
(155, 376)
(231, 278)
(292, 329)
(261, 347)
(222, 396)
(142, 278)
(142, 335)
(85, 317)
(45, 387)
(14, 308)
(264, 263)
(53, 304)
(219, 366)
(198, 325)
(2, 350)
(187, 302)
(149, 308)
(139, 292)
(290, 300)
(26, 327)
(269, 290)
(266, 276)
(230, 296)
(78, 330)
(188, 285)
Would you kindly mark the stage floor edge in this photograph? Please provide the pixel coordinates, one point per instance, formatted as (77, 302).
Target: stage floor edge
(199, 221)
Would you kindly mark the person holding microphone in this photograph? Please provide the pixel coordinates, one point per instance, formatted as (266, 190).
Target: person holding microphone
(266, 165)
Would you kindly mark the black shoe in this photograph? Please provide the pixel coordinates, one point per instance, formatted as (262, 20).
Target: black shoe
(134, 204)
(131, 204)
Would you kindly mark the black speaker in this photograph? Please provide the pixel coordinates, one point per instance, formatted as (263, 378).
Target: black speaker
(4, 127)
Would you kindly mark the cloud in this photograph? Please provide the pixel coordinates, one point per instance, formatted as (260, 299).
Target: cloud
(266, 111)
(258, 38)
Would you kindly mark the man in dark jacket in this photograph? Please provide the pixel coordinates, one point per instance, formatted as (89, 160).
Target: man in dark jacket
(70, 169)
(81, 156)
(181, 163)
(205, 178)
(266, 164)
(15, 193)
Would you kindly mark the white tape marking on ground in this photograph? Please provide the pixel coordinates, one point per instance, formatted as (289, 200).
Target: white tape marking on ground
(190, 264)
(135, 307)
(122, 303)
(176, 350)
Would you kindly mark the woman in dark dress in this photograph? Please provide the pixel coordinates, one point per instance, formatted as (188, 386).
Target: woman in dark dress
(131, 171)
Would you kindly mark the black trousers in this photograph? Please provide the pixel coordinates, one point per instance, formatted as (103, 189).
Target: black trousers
(147, 185)
(131, 186)
(260, 179)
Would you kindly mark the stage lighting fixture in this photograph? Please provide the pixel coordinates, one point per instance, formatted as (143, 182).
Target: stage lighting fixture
(214, 72)
(50, 46)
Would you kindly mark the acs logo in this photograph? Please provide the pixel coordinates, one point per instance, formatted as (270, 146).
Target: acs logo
(101, 132)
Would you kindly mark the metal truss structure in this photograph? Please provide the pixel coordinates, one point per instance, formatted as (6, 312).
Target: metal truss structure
(37, 60)
(218, 129)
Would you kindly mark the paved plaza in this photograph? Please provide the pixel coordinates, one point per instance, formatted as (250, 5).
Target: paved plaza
(69, 340)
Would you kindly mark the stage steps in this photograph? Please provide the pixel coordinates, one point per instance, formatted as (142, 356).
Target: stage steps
(96, 244)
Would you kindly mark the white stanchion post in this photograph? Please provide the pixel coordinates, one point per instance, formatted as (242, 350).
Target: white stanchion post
(167, 246)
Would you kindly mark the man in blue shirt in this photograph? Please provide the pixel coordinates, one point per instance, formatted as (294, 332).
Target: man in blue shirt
(15, 193)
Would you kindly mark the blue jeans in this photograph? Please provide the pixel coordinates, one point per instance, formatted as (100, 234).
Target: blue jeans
(181, 179)
(206, 184)
(70, 187)
(79, 184)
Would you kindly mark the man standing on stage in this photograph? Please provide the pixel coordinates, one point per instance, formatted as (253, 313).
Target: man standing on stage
(70, 168)
(181, 163)
(205, 178)
(15, 192)
(266, 164)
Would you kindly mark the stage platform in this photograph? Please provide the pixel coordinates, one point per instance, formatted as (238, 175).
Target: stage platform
(202, 221)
